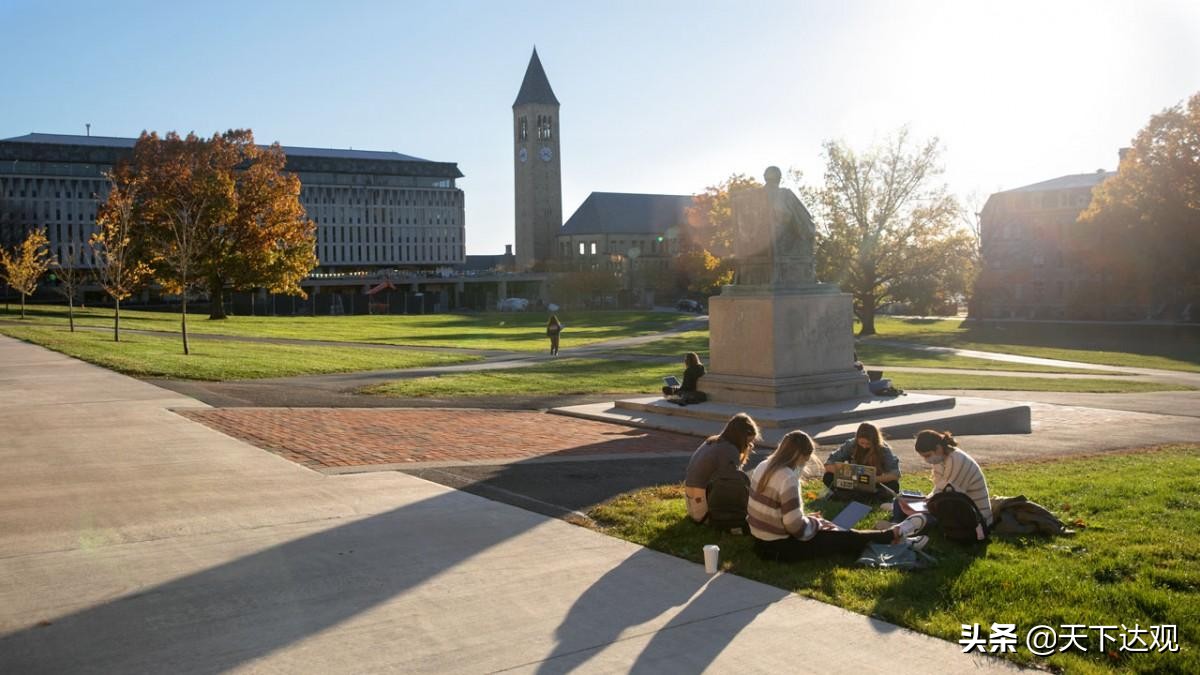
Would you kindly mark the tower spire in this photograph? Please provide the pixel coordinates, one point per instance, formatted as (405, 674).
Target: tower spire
(535, 88)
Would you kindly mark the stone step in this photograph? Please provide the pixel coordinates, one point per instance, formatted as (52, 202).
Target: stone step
(869, 408)
(968, 416)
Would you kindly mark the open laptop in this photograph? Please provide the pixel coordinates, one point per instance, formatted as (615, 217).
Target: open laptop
(671, 381)
(855, 477)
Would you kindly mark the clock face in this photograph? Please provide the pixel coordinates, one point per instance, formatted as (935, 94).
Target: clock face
(523, 155)
(545, 153)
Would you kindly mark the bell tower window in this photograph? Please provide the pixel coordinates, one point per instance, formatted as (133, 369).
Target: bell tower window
(523, 131)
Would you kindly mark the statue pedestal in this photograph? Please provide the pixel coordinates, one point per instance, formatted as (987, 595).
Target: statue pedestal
(777, 348)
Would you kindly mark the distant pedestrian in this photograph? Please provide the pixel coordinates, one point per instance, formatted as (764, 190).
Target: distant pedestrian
(553, 330)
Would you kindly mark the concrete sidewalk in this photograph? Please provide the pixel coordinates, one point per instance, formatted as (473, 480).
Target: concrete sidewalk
(134, 540)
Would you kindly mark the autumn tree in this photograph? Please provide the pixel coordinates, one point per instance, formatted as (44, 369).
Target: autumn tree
(70, 275)
(267, 239)
(187, 187)
(703, 273)
(24, 266)
(710, 217)
(1148, 214)
(117, 258)
(885, 224)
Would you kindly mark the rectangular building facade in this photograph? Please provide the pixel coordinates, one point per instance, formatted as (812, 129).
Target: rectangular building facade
(373, 210)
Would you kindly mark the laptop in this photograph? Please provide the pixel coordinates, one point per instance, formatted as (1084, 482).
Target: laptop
(855, 477)
(671, 381)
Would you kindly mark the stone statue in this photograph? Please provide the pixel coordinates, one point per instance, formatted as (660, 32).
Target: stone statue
(773, 236)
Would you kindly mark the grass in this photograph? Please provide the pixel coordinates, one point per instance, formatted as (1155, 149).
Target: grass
(160, 356)
(883, 356)
(1136, 558)
(1132, 345)
(566, 377)
(1090, 385)
(508, 331)
(611, 376)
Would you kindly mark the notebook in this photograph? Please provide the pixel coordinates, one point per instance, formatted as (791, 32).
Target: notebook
(855, 477)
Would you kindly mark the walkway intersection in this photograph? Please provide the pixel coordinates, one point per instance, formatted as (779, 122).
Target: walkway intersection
(133, 539)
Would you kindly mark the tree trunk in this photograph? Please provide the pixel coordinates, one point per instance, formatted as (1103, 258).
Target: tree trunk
(216, 295)
(868, 319)
(71, 311)
(117, 320)
(22, 305)
(183, 323)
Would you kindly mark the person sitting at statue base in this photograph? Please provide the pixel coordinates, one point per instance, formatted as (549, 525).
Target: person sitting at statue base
(686, 392)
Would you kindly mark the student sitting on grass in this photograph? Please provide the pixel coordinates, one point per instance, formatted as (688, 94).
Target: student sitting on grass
(953, 471)
(868, 449)
(781, 529)
(686, 393)
(725, 451)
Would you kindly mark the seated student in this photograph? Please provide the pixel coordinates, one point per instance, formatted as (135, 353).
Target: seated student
(729, 448)
(686, 391)
(868, 449)
(781, 529)
(953, 469)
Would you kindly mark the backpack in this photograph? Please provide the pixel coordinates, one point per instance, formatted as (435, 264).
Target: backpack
(958, 516)
(728, 493)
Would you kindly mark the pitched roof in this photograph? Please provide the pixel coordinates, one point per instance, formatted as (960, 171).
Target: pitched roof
(624, 213)
(535, 88)
(1079, 180)
(291, 151)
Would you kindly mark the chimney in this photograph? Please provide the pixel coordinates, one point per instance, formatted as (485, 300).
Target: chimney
(508, 250)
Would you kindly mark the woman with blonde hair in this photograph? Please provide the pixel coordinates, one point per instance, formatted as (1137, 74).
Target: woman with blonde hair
(728, 449)
(782, 530)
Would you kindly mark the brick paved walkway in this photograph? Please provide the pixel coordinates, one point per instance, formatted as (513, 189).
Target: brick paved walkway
(322, 438)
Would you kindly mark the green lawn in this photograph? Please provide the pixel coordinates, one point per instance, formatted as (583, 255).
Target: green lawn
(1097, 385)
(160, 356)
(877, 356)
(1136, 558)
(1138, 346)
(615, 376)
(509, 331)
(566, 377)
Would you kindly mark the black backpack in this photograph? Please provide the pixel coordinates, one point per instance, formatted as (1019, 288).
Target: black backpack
(728, 493)
(958, 517)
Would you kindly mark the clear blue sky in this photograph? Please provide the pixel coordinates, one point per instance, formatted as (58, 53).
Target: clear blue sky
(657, 96)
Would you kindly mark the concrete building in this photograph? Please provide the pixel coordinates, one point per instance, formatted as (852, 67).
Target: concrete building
(373, 210)
(1036, 256)
(642, 227)
(537, 168)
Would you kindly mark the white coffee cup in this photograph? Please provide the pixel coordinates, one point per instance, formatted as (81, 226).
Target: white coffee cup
(712, 558)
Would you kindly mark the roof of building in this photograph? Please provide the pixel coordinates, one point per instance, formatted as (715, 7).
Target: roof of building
(624, 213)
(535, 88)
(482, 263)
(117, 142)
(1079, 180)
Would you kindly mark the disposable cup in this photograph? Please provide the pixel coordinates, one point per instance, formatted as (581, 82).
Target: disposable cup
(712, 558)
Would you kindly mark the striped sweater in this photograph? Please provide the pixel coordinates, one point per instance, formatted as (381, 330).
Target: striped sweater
(962, 471)
(777, 512)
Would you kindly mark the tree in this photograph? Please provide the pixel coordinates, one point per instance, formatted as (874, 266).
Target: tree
(117, 260)
(884, 224)
(710, 218)
(187, 188)
(24, 266)
(702, 272)
(1148, 214)
(71, 275)
(267, 240)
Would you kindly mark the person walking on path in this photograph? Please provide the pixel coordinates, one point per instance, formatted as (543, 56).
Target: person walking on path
(553, 329)
(782, 530)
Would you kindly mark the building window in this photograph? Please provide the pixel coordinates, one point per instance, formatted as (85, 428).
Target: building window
(593, 248)
(523, 132)
(582, 251)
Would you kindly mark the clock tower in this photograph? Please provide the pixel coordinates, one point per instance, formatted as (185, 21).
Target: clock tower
(537, 174)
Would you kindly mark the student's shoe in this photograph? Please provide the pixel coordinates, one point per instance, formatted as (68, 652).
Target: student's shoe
(918, 543)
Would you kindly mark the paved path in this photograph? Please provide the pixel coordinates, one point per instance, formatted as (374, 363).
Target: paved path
(133, 539)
